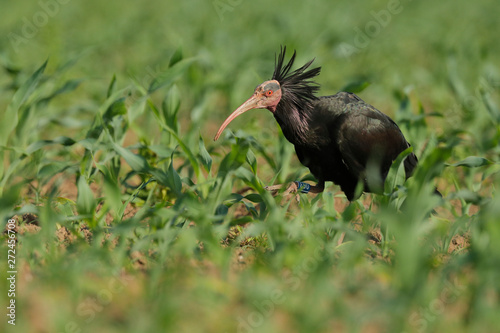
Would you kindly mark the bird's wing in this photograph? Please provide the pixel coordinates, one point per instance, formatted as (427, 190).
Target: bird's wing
(367, 135)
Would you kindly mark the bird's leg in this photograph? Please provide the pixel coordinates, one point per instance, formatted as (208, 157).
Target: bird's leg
(297, 186)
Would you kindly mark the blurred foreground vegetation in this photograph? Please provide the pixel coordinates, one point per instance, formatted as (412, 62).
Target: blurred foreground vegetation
(131, 219)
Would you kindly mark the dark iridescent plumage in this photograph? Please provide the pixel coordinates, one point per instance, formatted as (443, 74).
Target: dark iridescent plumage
(336, 136)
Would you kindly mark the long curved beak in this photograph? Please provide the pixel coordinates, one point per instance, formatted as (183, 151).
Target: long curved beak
(251, 103)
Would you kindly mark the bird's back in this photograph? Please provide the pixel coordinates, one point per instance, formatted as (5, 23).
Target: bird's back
(351, 135)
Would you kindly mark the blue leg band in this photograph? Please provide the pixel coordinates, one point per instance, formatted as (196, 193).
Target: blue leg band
(303, 187)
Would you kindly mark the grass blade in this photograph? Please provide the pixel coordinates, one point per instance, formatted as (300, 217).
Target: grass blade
(11, 116)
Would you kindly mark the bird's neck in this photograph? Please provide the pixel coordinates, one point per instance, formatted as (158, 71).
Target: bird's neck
(294, 122)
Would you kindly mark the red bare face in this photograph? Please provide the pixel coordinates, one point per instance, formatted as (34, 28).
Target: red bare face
(266, 96)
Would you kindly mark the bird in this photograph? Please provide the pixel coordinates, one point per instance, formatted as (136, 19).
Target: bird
(340, 137)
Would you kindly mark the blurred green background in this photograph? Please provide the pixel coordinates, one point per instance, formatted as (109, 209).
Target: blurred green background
(235, 43)
(131, 219)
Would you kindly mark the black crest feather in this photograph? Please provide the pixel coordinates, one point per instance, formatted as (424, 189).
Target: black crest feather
(295, 108)
(297, 87)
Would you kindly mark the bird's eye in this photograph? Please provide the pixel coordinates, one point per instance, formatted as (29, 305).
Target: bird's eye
(269, 93)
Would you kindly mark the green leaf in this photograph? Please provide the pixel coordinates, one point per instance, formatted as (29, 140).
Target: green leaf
(161, 150)
(62, 140)
(51, 169)
(137, 108)
(205, 157)
(176, 57)
(117, 108)
(232, 199)
(160, 177)
(356, 87)
(472, 162)
(137, 162)
(68, 86)
(231, 161)
(170, 179)
(221, 210)
(396, 175)
(170, 75)
(11, 117)
(491, 106)
(88, 143)
(174, 178)
(111, 87)
(111, 189)
(85, 201)
(254, 197)
(467, 196)
(170, 107)
(252, 160)
(235, 158)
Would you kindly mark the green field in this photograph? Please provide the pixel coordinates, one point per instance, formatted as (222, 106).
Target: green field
(128, 217)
